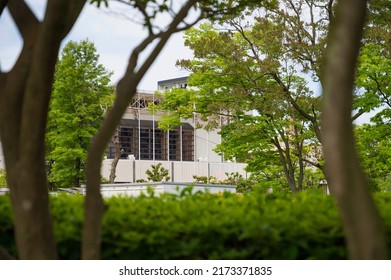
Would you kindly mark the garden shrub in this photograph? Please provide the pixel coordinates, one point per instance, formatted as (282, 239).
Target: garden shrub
(204, 226)
(157, 173)
(3, 178)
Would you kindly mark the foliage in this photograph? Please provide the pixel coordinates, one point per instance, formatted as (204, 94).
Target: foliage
(233, 178)
(3, 178)
(81, 92)
(104, 180)
(7, 234)
(205, 226)
(373, 78)
(247, 72)
(157, 173)
(242, 184)
(373, 142)
(374, 65)
(205, 179)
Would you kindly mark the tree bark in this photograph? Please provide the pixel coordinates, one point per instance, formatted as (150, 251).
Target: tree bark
(24, 98)
(361, 221)
(117, 156)
(286, 165)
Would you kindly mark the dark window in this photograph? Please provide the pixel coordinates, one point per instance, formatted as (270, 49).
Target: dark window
(187, 145)
(174, 144)
(154, 146)
(126, 141)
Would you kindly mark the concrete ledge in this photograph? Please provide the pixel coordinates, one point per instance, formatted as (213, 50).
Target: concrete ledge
(135, 189)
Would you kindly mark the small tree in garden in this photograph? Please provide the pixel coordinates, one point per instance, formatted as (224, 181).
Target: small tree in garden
(157, 173)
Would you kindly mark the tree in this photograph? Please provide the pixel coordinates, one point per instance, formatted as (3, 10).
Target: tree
(75, 111)
(373, 142)
(246, 68)
(373, 79)
(24, 98)
(365, 235)
(374, 64)
(25, 91)
(256, 64)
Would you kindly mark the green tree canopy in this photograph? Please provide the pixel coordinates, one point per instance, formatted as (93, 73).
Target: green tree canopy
(374, 142)
(81, 90)
(244, 76)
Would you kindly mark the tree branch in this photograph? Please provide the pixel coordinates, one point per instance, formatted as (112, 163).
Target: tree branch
(24, 18)
(383, 94)
(164, 38)
(3, 3)
(2, 81)
(357, 115)
(316, 164)
(297, 107)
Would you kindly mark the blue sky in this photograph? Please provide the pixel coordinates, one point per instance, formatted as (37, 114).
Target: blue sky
(114, 34)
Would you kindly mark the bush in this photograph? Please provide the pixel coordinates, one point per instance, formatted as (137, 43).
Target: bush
(157, 173)
(204, 226)
(3, 178)
(205, 179)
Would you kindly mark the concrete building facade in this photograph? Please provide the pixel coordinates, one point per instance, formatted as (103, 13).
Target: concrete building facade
(186, 150)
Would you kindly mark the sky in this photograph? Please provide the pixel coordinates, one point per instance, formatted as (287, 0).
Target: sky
(114, 35)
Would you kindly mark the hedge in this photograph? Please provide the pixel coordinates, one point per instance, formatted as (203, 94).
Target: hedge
(204, 226)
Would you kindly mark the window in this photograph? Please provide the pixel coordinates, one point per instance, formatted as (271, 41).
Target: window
(187, 145)
(126, 139)
(178, 142)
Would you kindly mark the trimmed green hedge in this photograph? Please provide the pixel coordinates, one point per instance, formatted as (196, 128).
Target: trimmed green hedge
(204, 226)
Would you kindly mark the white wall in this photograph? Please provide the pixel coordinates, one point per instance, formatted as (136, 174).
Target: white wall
(133, 170)
(2, 164)
(205, 143)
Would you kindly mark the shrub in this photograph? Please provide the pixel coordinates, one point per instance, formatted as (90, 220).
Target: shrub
(204, 226)
(204, 179)
(3, 178)
(243, 185)
(157, 173)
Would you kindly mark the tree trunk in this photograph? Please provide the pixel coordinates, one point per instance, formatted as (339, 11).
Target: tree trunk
(117, 156)
(76, 179)
(289, 176)
(361, 220)
(299, 148)
(24, 98)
